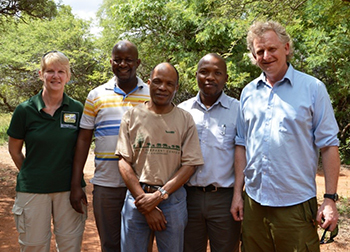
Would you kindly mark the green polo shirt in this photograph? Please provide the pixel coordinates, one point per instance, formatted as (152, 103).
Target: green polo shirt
(49, 142)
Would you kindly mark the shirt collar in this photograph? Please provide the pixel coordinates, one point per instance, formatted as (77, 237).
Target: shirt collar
(39, 103)
(119, 91)
(221, 101)
(287, 78)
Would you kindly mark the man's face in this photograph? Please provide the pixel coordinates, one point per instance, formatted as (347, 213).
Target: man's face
(124, 63)
(271, 55)
(163, 85)
(211, 76)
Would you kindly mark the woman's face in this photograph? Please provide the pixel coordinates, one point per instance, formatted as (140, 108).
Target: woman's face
(55, 77)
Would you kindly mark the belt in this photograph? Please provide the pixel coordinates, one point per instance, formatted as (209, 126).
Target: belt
(149, 188)
(209, 188)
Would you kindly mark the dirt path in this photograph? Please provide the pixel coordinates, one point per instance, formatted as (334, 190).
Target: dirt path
(9, 238)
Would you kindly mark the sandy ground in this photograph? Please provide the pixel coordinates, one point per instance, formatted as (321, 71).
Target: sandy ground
(8, 234)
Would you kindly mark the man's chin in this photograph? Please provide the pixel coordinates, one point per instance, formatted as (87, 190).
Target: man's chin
(123, 78)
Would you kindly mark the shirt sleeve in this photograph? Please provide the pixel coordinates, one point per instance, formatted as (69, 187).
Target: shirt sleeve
(240, 139)
(191, 151)
(324, 122)
(17, 127)
(124, 147)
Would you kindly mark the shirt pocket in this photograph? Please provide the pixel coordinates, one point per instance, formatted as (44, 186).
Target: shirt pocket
(295, 122)
(225, 136)
(19, 218)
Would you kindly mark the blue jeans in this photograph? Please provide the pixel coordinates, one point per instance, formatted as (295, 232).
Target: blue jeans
(135, 233)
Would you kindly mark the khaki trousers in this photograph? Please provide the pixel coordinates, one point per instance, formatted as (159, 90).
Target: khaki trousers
(33, 213)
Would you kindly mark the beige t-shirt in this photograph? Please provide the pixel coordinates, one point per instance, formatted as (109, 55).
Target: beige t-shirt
(157, 145)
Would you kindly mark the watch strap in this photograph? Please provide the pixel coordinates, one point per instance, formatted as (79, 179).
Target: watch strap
(334, 196)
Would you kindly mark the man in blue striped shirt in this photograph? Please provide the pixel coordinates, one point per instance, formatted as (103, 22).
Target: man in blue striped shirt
(286, 119)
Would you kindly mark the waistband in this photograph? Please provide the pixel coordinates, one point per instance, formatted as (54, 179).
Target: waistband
(209, 188)
(149, 188)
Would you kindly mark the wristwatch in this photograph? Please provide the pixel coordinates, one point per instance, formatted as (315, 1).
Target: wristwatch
(334, 196)
(164, 194)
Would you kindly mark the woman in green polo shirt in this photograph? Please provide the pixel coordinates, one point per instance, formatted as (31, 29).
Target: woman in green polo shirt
(47, 124)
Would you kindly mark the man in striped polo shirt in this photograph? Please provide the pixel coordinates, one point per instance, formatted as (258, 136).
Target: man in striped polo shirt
(103, 111)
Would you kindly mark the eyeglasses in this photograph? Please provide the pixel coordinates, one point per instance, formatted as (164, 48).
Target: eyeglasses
(332, 235)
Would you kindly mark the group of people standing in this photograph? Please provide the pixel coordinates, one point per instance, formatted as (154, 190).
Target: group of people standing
(212, 168)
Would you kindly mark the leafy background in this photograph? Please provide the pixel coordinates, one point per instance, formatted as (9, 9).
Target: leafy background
(177, 31)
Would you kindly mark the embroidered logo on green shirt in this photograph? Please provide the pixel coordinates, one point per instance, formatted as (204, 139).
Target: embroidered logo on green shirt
(69, 118)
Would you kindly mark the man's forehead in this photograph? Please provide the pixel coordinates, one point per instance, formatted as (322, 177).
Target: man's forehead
(211, 62)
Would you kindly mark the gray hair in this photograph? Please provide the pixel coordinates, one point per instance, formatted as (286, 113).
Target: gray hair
(258, 28)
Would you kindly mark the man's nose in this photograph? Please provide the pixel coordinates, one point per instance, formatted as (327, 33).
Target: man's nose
(210, 76)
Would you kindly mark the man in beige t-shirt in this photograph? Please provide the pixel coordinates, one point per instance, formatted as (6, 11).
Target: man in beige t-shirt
(159, 150)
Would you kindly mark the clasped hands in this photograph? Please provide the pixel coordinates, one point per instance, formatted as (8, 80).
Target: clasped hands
(147, 205)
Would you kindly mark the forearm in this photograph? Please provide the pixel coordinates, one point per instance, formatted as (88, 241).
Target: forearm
(18, 159)
(130, 179)
(237, 199)
(327, 214)
(240, 164)
(179, 178)
(80, 156)
(15, 150)
(331, 167)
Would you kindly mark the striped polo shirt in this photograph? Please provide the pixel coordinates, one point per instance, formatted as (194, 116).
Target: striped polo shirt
(103, 111)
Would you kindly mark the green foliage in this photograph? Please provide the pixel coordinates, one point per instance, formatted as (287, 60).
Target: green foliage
(5, 119)
(23, 45)
(180, 32)
(323, 49)
(26, 9)
(343, 207)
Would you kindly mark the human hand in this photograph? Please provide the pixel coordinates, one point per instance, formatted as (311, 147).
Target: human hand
(237, 207)
(328, 212)
(156, 220)
(146, 202)
(77, 198)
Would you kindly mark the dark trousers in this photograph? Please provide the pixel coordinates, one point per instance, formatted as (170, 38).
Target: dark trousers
(209, 217)
(108, 203)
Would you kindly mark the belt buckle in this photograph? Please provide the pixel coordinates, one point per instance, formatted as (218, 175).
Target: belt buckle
(206, 189)
(149, 188)
(215, 189)
(146, 188)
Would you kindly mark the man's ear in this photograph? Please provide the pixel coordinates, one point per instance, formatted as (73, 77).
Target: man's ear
(149, 82)
(138, 62)
(177, 87)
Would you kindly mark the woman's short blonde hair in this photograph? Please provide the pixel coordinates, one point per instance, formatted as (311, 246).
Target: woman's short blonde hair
(258, 28)
(55, 57)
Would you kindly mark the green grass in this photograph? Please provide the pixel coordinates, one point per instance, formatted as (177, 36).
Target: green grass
(4, 124)
(343, 206)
